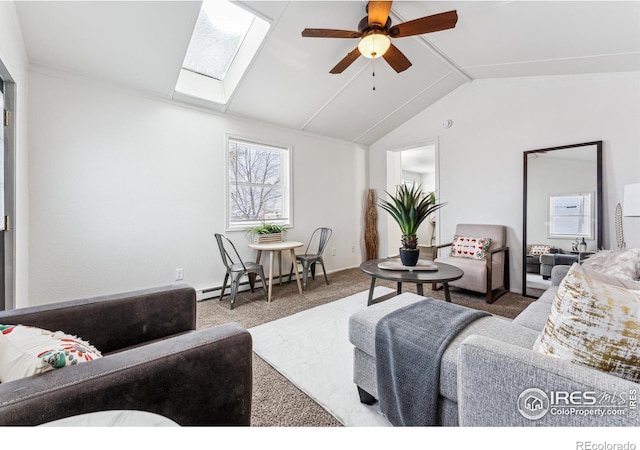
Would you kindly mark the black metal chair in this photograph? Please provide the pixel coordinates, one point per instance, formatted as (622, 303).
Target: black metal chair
(237, 270)
(309, 260)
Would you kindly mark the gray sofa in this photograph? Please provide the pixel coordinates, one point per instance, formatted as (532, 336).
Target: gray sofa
(153, 360)
(550, 260)
(489, 365)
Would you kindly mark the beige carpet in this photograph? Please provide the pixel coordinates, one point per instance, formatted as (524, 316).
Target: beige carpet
(277, 402)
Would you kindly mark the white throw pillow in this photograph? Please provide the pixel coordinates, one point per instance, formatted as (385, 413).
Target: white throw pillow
(621, 264)
(610, 279)
(594, 324)
(27, 351)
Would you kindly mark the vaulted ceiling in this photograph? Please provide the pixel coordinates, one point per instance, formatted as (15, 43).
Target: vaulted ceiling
(141, 46)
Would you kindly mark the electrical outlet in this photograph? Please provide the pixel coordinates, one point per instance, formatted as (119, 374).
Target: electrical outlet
(333, 251)
(179, 274)
(353, 249)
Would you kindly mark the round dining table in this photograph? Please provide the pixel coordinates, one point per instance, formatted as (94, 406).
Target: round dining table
(278, 248)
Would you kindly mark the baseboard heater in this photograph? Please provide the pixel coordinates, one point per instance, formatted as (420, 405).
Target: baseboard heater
(214, 292)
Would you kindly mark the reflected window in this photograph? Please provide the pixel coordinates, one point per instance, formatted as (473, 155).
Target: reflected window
(571, 215)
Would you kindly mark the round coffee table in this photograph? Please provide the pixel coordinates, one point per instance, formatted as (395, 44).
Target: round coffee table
(444, 274)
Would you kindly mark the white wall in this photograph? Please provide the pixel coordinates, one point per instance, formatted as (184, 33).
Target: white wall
(13, 56)
(494, 121)
(125, 189)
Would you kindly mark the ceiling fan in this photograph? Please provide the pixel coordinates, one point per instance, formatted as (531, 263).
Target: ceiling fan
(375, 31)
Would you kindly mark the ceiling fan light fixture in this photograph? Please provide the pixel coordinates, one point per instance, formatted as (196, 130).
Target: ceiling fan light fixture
(374, 45)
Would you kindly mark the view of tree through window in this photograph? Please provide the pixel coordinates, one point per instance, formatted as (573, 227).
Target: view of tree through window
(257, 184)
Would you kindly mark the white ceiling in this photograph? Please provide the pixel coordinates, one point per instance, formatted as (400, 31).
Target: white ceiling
(141, 45)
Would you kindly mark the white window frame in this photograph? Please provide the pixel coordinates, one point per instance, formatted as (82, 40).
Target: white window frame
(286, 184)
(552, 234)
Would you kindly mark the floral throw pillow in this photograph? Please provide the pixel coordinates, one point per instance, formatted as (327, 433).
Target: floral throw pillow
(469, 247)
(594, 324)
(27, 351)
(540, 250)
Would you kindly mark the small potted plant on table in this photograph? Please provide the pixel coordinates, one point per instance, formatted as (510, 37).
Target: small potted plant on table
(409, 208)
(267, 232)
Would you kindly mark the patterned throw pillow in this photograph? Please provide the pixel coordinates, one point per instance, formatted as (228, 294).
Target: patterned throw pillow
(466, 247)
(539, 250)
(621, 264)
(26, 351)
(594, 324)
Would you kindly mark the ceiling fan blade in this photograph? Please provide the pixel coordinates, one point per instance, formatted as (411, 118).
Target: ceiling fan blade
(346, 61)
(324, 33)
(429, 24)
(378, 12)
(396, 59)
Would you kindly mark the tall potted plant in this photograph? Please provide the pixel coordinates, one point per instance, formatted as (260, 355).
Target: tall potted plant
(409, 208)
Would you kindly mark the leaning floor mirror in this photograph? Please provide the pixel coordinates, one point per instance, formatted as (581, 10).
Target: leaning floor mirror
(562, 207)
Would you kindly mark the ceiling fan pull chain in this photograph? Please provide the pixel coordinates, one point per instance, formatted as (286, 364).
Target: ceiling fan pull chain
(373, 73)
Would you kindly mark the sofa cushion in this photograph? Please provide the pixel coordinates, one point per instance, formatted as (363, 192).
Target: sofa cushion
(594, 324)
(27, 351)
(362, 324)
(475, 273)
(534, 316)
(470, 247)
(621, 264)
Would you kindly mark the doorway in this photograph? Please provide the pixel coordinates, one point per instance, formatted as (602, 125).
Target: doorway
(415, 164)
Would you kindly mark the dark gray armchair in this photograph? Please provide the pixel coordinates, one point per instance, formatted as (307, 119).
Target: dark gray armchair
(153, 360)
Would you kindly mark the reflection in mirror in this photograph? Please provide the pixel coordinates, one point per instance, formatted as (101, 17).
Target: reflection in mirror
(562, 221)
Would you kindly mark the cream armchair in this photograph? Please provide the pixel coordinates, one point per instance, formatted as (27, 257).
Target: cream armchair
(489, 276)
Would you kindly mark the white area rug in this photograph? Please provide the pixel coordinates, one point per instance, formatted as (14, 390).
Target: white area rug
(312, 350)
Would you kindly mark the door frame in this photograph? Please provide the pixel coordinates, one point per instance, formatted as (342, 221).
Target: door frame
(7, 243)
(391, 181)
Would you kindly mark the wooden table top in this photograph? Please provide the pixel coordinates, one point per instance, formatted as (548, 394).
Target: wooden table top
(276, 246)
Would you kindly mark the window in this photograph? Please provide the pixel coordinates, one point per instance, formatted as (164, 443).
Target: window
(225, 39)
(258, 183)
(219, 31)
(571, 215)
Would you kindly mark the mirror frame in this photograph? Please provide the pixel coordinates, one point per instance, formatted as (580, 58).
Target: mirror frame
(599, 212)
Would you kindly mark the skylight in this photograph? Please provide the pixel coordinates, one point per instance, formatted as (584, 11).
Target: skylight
(225, 39)
(218, 34)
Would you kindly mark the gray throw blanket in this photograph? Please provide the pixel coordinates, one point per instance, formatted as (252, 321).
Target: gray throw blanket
(409, 346)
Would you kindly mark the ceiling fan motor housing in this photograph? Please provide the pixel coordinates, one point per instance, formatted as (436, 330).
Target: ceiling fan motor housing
(363, 26)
